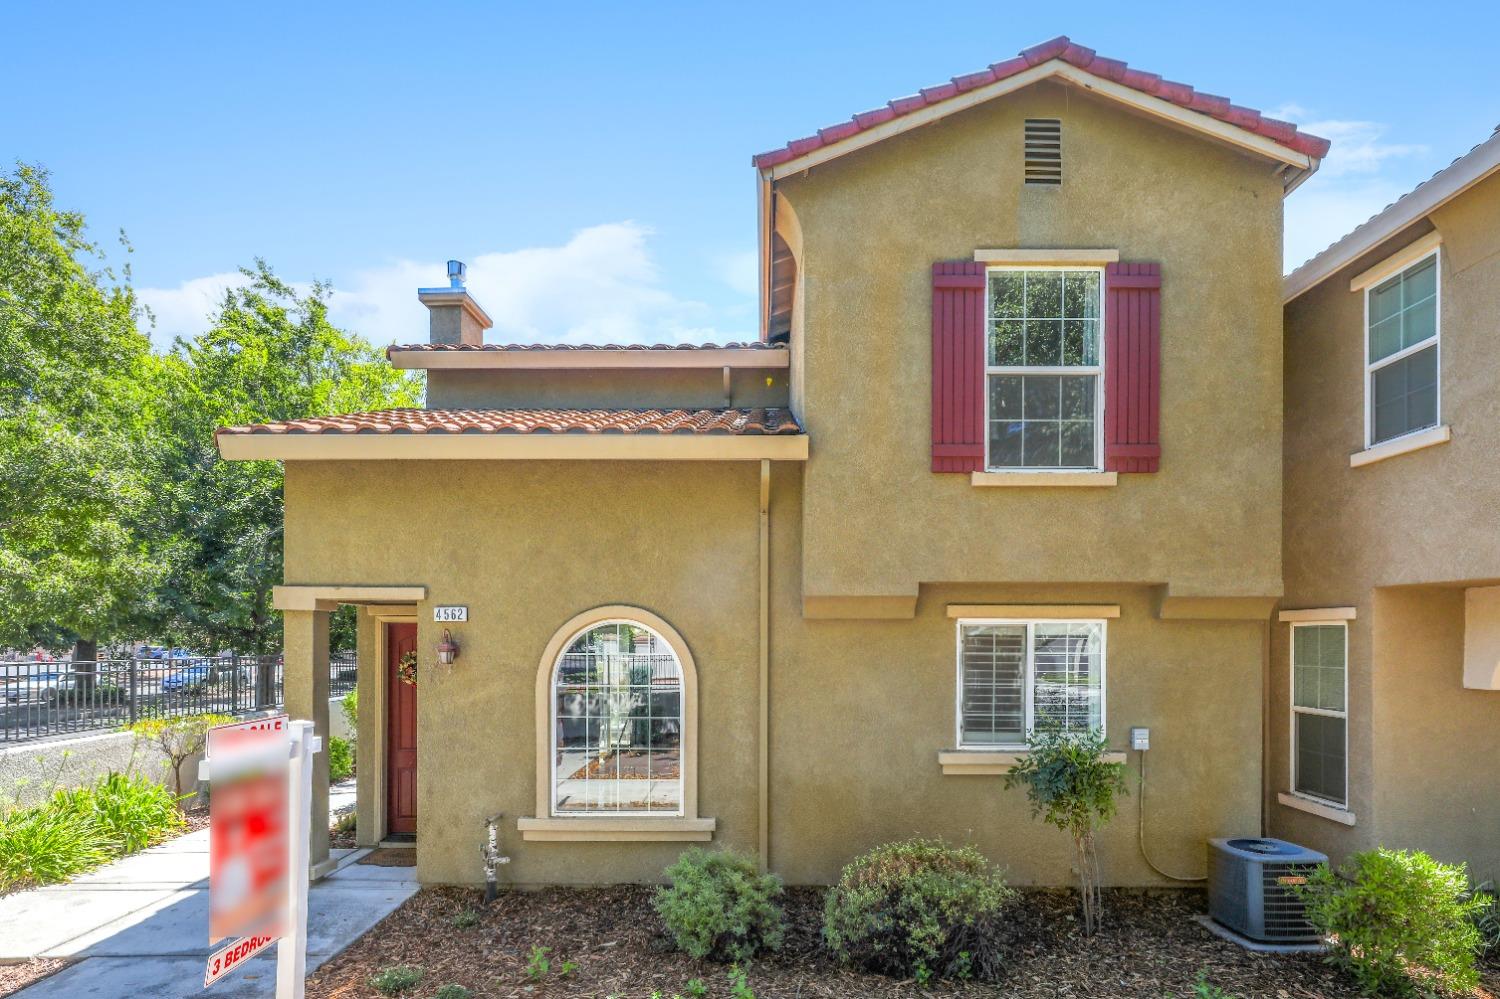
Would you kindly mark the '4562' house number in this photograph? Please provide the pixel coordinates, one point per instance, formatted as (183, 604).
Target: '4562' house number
(450, 613)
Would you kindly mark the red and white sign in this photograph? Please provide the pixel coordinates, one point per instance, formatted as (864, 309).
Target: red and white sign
(248, 836)
(224, 961)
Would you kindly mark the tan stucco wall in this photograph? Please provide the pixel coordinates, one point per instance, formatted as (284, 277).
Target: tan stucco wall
(859, 709)
(872, 224)
(692, 388)
(1427, 517)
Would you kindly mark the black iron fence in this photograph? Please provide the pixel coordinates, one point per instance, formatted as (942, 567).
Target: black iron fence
(40, 699)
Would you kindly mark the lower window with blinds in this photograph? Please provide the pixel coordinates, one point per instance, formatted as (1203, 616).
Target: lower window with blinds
(1017, 676)
(1320, 668)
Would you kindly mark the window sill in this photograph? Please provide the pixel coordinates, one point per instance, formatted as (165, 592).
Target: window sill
(976, 762)
(1401, 445)
(1330, 812)
(1051, 480)
(627, 829)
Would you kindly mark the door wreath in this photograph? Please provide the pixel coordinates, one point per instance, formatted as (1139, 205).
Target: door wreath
(406, 668)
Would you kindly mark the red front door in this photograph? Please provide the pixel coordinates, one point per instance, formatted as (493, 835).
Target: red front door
(401, 734)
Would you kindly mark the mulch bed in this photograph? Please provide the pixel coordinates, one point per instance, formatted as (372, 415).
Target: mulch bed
(15, 977)
(1149, 948)
(389, 857)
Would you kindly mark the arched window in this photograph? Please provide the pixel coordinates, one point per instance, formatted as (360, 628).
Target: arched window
(617, 722)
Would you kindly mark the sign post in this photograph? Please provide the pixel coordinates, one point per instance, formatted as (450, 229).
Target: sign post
(260, 821)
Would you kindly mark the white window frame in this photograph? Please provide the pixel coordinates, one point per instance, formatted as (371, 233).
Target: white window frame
(1027, 679)
(1435, 341)
(552, 730)
(1325, 712)
(1097, 370)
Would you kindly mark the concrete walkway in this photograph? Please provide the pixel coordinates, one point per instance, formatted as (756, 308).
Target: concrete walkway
(139, 927)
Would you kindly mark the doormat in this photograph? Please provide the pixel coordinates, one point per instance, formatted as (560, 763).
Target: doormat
(387, 857)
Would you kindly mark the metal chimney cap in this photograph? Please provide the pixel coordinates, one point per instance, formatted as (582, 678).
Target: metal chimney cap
(456, 272)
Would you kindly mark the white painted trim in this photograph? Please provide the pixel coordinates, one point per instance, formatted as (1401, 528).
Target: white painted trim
(1301, 804)
(513, 447)
(1405, 444)
(1035, 612)
(1153, 106)
(1466, 171)
(1343, 713)
(1435, 341)
(974, 762)
(1055, 257)
(578, 360)
(1044, 480)
(1397, 262)
(1317, 615)
(627, 829)
(1028, 706)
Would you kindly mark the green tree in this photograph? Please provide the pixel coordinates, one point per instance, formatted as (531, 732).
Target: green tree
(270, 355)
(74, 562)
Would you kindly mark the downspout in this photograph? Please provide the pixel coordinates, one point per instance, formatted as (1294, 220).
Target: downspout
(764, 744)
(1265, 723)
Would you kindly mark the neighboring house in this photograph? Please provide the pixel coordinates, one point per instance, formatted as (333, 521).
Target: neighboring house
(1385, 721)
(1008, 453)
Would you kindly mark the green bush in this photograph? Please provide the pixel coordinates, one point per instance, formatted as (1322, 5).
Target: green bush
(397, 979)
(340, 759)
(451, 991)
(720, 906)
(350, 707)
(919, 909)
(1400, 922)
(1486, 921)
(131, 811)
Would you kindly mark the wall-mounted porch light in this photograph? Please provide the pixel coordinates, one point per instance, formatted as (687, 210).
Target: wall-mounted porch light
(447, 650)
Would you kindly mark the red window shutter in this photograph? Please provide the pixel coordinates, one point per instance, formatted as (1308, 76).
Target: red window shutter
(1132, 368)
(957, 366)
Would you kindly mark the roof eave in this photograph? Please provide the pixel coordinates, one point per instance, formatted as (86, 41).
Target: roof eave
(513, 447)
(711, 358)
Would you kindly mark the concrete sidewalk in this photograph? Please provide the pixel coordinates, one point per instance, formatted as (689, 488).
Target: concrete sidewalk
(139, 927)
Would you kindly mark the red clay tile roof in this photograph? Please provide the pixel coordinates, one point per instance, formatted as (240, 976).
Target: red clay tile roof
(547, 421)
(583, 346)
(1084, 58)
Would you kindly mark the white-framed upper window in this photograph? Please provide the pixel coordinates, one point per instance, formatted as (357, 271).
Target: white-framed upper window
(1402, 333)
(1016, 676)
(1044, 368)
(617, 723)
(1320, 711)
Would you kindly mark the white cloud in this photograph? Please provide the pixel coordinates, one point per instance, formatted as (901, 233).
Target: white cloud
(186, 309)
(1354, 182)
(601, 286)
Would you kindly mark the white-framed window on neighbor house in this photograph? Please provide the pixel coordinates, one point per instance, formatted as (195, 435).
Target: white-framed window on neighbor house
(1402, 352)
(1016, 676)
(617, 723)
(1044, 368)
(1320, 712)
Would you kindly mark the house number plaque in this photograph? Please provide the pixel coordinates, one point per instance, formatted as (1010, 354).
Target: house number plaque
(450, 613)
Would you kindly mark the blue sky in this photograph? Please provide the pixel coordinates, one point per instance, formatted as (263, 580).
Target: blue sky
(591, 161)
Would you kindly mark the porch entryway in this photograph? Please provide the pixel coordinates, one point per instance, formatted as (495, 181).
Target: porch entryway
(401, 734)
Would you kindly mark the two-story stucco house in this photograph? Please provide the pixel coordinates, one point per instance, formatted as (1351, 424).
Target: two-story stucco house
(1008, 452)
(1385, 717)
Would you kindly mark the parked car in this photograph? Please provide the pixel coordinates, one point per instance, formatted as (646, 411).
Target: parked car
(50, 688)
(197, 677)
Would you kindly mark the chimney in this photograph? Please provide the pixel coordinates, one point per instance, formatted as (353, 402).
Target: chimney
(455, 316)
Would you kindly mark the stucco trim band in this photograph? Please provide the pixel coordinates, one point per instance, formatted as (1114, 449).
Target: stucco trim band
(1339, 815)
(1045, 612)
(604, 830)
(1401, 445)
(482, 447)
(1017, 256)
(1398, 261)
(1048, 480)
(574, 360)
(306, 598)
(971, 763)
(1316, 614)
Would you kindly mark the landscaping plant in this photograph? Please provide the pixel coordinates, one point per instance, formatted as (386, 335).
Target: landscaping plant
(396, 979)
(739, 984)
(720, 906)
(340, 759)
(1399, 921)
(919, 909)
(538, 965)
(452, 991)
(1486, 921)
(1071, 785)
(178, 739)
(132, 812)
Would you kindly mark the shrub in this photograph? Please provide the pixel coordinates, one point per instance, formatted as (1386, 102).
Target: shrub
(350, 707)
(720, 906)
(451, 991)
(918, 909)
(131, 812)
(1486, 921)
(340, 759)
(1398, 920)
(396, 979)
(178, 739)
(44, 844)
(1072, 786)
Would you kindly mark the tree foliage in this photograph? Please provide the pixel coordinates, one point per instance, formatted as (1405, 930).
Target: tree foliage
(118, 520)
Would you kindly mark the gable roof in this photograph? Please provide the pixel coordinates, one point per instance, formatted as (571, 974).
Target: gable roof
(1428, 196)
(1061, 58)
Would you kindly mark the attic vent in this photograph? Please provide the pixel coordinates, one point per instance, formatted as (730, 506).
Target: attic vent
(1044, 151)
